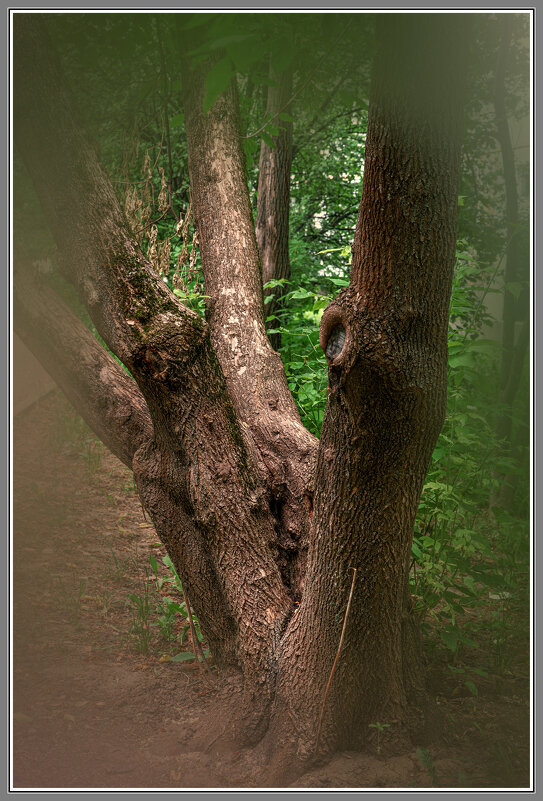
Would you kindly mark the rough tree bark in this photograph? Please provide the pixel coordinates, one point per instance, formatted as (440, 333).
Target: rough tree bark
(223, 464)
(386, 342)
(273, 204)
(253, 370)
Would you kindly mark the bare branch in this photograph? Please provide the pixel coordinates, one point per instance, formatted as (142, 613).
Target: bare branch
(97, 386)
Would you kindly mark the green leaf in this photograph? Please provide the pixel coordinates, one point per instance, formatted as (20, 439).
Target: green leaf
(321, 303)
(250, 146)
(462, 360)
(177, 120)
(244, 54)
(450, 638)
(339, 281)
(217, 81)
(275, 282)
(267, 139)
(439, 453)
(416, 550)
(184, 656)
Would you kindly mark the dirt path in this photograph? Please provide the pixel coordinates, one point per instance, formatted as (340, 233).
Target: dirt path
(97, 703)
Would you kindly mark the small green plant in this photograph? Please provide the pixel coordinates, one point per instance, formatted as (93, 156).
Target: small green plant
(71, 599)
(465, 673)
(141, 627)
(167, 608)
(380, 728)
(119, 569)
(425, 759)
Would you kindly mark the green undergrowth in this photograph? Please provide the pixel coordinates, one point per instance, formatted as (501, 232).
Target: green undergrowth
(160, 618)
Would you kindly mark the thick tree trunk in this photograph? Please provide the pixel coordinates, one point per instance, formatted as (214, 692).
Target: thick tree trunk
(386, 342)
(272, 217)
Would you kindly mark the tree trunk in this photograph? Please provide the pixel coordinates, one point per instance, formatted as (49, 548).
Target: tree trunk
(514, 348)
(254, 372)
(223, 464)
(272, 218)
(385, 338)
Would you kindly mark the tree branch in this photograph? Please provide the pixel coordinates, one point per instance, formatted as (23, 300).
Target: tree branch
(254, 372)
(272, 217)
(96, 385)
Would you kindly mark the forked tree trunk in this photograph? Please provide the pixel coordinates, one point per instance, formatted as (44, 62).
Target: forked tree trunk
(223, 464)
(253, 370)
(273, 205)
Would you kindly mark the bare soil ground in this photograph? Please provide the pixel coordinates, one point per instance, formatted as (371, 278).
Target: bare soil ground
(97, 703)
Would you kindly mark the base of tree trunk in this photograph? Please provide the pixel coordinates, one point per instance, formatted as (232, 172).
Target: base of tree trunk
(280, 757)
(285, 748)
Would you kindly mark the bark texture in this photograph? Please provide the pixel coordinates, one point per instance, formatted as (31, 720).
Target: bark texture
(254, 372)
(386, 342)
(272, 216)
